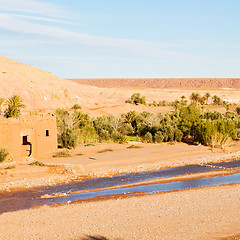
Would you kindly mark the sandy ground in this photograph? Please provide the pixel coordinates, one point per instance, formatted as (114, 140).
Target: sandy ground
(207, 213)
(87, 162)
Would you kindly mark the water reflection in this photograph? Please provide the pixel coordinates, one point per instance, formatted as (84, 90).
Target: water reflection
(29, 198)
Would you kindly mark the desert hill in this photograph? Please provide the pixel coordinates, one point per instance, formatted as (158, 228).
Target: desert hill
(41, 89)
(163, 83)
(44, 91)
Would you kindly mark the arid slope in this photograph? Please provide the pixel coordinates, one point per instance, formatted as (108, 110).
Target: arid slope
(40, 89)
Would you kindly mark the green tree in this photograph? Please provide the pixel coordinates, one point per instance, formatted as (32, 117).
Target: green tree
(136, 99)
(68, 138)
(13, 107)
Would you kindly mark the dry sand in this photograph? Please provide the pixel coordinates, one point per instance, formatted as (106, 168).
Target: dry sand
(206, 213)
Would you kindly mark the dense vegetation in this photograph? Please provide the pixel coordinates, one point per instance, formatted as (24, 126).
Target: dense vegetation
(188, 123)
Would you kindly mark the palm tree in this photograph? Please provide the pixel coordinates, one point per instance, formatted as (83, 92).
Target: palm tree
(130, 117)
(183, 98)
(216, 100)
(194, 97)
(202, 100)
(207, 96)
(13, 106)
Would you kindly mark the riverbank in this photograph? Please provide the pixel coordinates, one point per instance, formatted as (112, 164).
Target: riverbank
(205, 213)
(107, 159)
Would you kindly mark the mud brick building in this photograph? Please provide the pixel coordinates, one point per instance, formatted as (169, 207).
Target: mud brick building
(30, 135)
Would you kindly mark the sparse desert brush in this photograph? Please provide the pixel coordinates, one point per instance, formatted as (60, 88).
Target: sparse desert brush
(3, 154)
(37, 163)
(10, 167)
(134, 146)
(89, 145)
(63, 154)
(79, 154)
(105, 150)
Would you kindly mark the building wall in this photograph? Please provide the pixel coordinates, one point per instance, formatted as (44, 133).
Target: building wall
(32, 128)
(10, 137)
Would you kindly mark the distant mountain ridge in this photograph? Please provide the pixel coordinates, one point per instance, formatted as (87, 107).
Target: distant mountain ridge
(163, 83)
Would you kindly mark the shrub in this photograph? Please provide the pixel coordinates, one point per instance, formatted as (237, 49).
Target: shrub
(158, 137)
(68, 138)
(76, 106)
(3, 154)
(220, 140)
(126, 129)
(119, 138)
(64, 153)
(148, 137)
(178, 135)
(136, 98)
(103, 135)
(87, 135)
(102, 123)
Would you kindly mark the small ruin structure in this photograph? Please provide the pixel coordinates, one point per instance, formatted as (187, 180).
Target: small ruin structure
(30, 135)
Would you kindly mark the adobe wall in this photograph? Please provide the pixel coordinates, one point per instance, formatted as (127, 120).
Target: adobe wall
(10, 137)
(40, 132)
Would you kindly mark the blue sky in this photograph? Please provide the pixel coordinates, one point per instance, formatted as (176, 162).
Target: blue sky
(123, 38)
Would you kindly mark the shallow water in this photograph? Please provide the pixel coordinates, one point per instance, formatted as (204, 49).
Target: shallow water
(30, 198)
